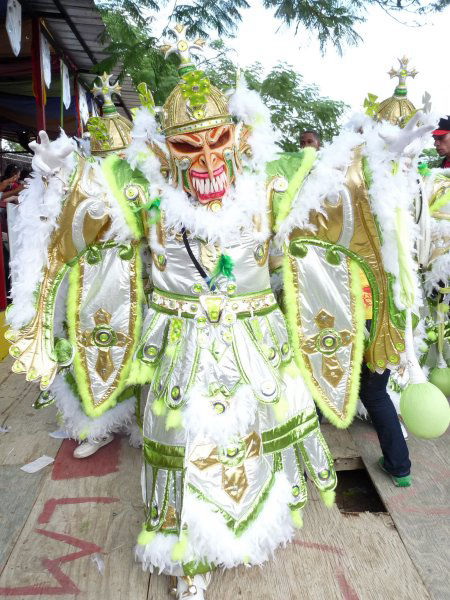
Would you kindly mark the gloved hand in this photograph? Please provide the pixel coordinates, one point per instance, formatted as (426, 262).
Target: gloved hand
(49, 156)
(398, 140)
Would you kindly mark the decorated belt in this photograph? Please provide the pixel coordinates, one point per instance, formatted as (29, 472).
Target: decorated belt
(215, 307)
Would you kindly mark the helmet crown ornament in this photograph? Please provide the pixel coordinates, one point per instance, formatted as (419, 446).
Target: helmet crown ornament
(398, 109)
(112, 131)
(105, 90)
(194, 104)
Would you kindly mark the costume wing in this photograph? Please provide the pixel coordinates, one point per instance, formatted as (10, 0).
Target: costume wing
(325, 315)
(333, 244)
(89, 298)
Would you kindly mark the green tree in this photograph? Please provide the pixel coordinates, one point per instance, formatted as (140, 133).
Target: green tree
(333, 21)
(294, 105)
(431, 157)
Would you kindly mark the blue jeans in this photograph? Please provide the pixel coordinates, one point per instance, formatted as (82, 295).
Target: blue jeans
(384, 418)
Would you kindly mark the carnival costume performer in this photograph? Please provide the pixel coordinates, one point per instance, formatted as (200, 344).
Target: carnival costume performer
(430, 187)
(51, 239)
(433, 254)
(229, 423)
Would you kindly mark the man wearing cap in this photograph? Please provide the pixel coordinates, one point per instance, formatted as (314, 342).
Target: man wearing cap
(441, 137)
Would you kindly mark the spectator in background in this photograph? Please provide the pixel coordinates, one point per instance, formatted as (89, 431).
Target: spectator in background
(9, 185)
(9, 188)
(441, 137)
(24, 174)
(310, 138)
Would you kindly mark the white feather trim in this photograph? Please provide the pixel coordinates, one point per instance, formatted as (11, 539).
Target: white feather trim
(247, 106)
(439, 272)
(38, 211)
(210, 539)
(325, 180)
(388, 192)
(200, 418)
(79, 426)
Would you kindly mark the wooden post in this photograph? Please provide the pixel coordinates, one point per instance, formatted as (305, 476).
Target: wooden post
(2, 276)
(38, 79)
(77, 105)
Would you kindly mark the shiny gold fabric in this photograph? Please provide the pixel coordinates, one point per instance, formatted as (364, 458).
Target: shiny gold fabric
(395, 110)
(118, 129)
(175, 117)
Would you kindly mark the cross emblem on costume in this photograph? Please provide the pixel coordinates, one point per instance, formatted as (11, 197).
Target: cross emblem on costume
(232, 458)
(402, 72)
(182, 46)
(106, 89)
(104, 337)
(327, 342)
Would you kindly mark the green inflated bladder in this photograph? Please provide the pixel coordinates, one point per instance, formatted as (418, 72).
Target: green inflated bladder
(425, 410)
(440, 377)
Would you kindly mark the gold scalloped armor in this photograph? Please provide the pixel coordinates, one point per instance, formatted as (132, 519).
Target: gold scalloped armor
(176, 119)
(394, 109)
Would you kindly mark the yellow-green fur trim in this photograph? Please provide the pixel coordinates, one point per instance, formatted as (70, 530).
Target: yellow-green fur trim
(108, 174)
(309, 156)
(440, 201)
(328, 497)
(179, 550)
(297, 519)
(291, 306)
(145, 537)
(140, 373)
(80, 375)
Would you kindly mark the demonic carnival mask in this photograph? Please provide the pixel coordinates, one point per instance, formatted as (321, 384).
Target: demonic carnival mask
(203, 143)
(205, 161)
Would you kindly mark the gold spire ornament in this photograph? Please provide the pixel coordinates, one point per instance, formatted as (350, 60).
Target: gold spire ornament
(112, 131)
(398, 109)
(194, 104)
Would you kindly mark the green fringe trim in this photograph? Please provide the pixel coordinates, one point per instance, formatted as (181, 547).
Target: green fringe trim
(291, 306)
(81, 378)
(442, 200)
(308, 159)
(224, 266)
(158, 407)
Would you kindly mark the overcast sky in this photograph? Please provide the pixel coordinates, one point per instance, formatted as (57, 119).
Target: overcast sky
(361, 69)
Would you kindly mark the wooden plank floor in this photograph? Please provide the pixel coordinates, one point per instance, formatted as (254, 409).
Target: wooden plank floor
(70, 529)
(421, 513)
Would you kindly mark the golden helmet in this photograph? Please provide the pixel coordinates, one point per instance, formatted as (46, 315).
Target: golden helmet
(194, 104)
